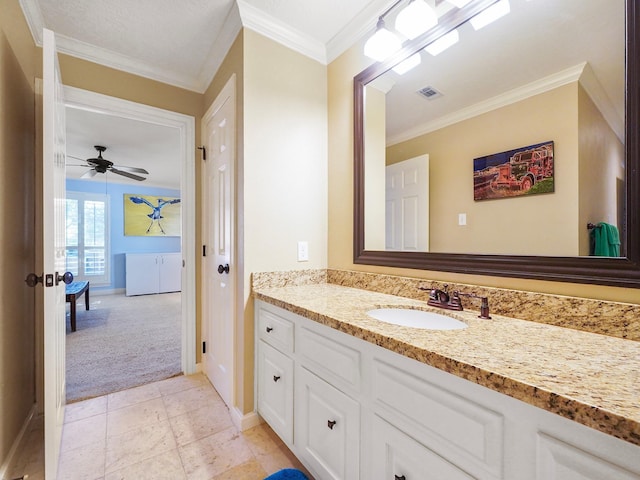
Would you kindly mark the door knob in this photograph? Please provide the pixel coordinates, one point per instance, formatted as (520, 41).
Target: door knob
(66, 278)
(32, 279)
(223, 269)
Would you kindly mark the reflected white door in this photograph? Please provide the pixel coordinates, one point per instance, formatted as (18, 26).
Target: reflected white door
(407, 205)
(219, 266)
(53, 237)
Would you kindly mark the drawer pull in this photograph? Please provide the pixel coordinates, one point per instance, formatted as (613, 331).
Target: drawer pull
(269, 329)
(276, 378)
(331, 424)
(400, 477)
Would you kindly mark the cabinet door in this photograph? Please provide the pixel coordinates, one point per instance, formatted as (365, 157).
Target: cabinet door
(396, 456)
(142, 272)
(327, 428)
(170, 272)
(275, 390)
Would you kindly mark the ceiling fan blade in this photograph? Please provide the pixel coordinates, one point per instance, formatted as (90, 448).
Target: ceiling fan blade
(89, 174)
(132, 169)
(127, 174)
(78, 165)
(77, 158)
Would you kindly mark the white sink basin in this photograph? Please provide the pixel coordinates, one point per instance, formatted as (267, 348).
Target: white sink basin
(407, 317)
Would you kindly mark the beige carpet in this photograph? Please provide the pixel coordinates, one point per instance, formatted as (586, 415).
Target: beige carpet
(122, 342)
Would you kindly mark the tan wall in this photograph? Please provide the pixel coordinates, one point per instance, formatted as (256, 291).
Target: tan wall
(340, 84)
(529, 225)
(285, 167)
(601, 165)
(17, 228)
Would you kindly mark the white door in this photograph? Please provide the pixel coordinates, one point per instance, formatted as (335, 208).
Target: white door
(53, 236)
(407, 205)
(219, 267)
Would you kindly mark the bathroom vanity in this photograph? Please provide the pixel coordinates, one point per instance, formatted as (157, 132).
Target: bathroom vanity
(357, 398)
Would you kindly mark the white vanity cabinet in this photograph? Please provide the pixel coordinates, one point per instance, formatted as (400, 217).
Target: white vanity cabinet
(363, 412)
(148, 273)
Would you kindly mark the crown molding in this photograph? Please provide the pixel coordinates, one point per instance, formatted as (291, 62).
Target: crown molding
(108, 58)
(602, 101)
(545, 84)
(270, 27)
(221, 46)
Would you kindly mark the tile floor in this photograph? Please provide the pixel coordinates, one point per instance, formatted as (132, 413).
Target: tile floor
(174, 429)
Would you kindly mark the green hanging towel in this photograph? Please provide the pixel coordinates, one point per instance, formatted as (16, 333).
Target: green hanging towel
(605, 240)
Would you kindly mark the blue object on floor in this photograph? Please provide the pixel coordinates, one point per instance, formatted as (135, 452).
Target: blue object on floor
(287, 474)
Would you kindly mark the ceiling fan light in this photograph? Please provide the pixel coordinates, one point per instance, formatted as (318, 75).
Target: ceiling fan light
(415, 19)
(491, 14)
(382, 44)
(406, 65)
(458, 3)
(444, 42)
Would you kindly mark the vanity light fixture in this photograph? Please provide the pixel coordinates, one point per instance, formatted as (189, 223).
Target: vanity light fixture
(406, 65)
(444, 42)
(415, 19)
(491, 14)
(383, 43)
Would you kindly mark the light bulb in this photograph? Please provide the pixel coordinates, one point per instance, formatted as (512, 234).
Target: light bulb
(415, 19)
(491, 14)
(382, 44)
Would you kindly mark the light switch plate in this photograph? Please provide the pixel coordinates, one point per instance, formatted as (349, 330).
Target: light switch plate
(462, 219)
(303, 251)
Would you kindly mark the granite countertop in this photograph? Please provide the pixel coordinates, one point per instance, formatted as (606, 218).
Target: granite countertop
(589, 378)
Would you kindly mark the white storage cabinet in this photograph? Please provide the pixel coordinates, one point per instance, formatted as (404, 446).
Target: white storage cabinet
(148, 273)
(351, 410)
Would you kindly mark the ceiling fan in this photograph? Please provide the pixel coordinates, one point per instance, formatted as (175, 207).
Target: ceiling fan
(102, 165)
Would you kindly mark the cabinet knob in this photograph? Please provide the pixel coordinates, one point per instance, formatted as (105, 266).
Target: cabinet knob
(223, 269)
(269, 329)
(276, 378)
(331, 424)
(400, 477)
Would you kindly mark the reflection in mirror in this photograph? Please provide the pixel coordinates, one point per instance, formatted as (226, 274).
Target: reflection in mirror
(550, 71)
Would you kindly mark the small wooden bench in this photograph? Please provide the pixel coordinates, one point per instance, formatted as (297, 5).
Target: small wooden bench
(74, 291)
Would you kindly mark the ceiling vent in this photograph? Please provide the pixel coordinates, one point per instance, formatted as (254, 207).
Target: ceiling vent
(430, 93)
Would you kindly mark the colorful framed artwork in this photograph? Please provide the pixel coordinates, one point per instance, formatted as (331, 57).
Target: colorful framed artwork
(151, 216)
(514, 173)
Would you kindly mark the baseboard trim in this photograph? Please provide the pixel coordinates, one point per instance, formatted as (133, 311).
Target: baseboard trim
(245, 422)
(17, 444)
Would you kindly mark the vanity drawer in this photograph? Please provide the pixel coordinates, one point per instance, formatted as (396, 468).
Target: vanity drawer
(274, 328)
(330, 359)
(275, 390)
(396, 455)
(463, 432)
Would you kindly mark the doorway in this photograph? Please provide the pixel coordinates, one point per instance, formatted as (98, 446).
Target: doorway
(184, 128)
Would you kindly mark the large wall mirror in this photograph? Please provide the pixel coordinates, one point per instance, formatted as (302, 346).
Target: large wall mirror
(508, 153)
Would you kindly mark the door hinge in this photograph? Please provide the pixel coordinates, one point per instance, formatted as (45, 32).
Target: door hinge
(204, 250)
(204, 347)
(204, 152)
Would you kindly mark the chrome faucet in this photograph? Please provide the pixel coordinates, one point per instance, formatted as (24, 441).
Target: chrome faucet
(441, 299)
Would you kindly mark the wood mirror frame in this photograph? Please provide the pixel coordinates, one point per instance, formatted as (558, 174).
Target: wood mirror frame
(622, 272)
